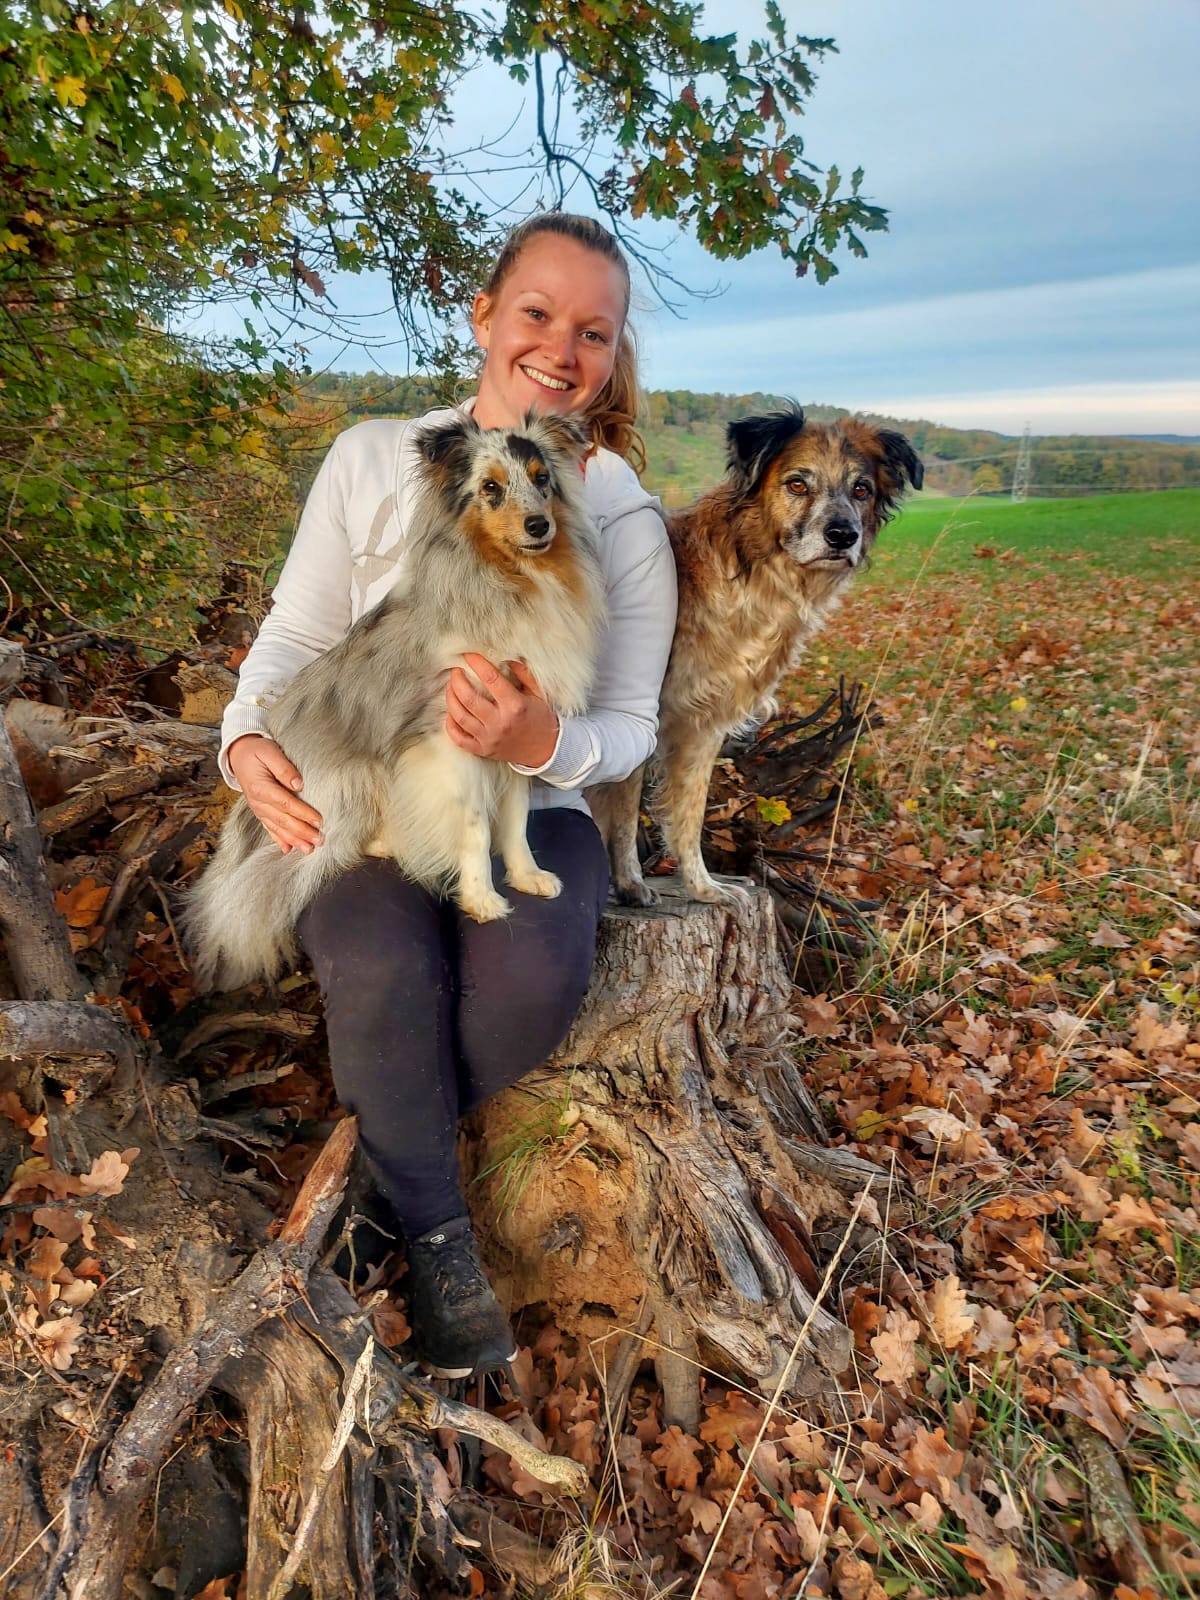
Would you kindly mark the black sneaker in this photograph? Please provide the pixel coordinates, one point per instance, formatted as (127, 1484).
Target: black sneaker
(458, 1327)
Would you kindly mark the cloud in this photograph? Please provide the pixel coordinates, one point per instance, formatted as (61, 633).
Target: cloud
(1102, 334)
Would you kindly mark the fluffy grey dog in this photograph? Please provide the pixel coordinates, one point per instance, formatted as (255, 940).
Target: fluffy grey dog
(501, 561)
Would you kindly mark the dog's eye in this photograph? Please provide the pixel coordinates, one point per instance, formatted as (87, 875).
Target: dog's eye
(797, 486)
(491, 488)
(862, 491)
(541, 480)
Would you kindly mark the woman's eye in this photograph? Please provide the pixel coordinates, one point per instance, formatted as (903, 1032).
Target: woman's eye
(797, 486)
(535, 312)
(594, 337)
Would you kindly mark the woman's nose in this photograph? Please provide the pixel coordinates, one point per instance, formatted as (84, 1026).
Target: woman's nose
(559, 344)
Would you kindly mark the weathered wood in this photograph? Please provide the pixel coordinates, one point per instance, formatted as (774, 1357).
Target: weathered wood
(95, 1568)
(35, 936)
(676, 1187)
(62, 1028)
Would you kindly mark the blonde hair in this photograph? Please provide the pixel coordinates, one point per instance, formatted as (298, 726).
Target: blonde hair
(613, 414)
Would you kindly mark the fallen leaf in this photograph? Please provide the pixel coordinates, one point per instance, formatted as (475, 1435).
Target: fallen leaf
(108, 1172)
(62, 1334)
(1087, 1195)
(948, 1314)
(895, 1348)
(676, 1455)
(1106, 937)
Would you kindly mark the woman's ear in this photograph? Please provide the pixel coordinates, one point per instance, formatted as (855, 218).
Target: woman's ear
(481, 319)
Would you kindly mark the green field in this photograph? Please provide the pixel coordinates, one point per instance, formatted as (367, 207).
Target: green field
(1145, 533)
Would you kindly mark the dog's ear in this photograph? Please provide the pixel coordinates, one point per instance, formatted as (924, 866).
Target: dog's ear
(447, 440)
(752, 443)
(445, 449)
(901, 459)
(568, 435)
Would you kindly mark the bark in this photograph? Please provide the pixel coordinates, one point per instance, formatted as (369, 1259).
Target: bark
(35, 936)
(661, 1166)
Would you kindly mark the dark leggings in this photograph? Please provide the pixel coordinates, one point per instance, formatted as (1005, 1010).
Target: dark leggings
(429, 1013)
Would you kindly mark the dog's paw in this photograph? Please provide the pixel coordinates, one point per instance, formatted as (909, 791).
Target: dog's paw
(544, 884)
(712, 893)
(486, 906)
(635, 892)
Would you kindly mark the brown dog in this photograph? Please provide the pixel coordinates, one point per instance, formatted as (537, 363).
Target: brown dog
(762, 560)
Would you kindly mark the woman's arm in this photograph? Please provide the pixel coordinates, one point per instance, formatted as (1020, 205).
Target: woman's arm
(311, 609)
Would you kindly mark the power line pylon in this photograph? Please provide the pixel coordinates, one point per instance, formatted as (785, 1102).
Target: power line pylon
(1023, 471)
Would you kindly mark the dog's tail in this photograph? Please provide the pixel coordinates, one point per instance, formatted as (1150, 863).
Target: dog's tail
(239, 920)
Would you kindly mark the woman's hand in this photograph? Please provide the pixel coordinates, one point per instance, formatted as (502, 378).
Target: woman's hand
(504, 721)
(269, 782)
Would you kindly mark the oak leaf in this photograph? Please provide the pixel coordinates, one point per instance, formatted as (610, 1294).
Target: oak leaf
(1151, 1034)
(1086, 1195)
(1106, 937)
(735, 1422)
(62, 1334)
(949, 1316)
(676, 1455)
(1130, 1214)
(930, 1459)
(704, 1513)
(994, 1333)
(108, 1172)
(895, 1348)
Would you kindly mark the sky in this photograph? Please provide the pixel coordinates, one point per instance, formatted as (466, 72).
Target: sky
(1040, 163)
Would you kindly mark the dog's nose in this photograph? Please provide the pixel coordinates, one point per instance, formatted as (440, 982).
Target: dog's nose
(841, 535)
(537, 527)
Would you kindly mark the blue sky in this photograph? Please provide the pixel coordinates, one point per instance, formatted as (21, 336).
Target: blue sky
(1041, 165)
(1040, 161)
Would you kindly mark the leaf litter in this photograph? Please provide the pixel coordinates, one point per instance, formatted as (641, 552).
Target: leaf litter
(1018, 1039)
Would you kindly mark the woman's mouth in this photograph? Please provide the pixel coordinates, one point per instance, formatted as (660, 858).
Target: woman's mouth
(545, 381)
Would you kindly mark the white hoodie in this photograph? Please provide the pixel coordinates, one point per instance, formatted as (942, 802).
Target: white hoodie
(349, 549)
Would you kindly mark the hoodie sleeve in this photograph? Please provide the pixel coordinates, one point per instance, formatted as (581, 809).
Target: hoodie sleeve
(619, 730)
(311, 609)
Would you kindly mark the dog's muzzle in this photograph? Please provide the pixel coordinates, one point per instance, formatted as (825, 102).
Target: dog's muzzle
(539, 533)
(842, 537)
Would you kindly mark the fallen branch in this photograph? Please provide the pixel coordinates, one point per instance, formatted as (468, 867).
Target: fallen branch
(62, 1028)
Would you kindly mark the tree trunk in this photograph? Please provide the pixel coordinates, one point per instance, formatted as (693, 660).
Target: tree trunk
(659, 1170)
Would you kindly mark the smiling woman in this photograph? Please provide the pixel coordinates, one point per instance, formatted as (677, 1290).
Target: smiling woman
(429, 1012)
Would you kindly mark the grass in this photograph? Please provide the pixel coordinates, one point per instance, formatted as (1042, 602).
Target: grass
(1150, 535)
(1030, 805)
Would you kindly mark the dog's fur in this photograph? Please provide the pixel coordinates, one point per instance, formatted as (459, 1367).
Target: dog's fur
(762, 560)
(501, 561)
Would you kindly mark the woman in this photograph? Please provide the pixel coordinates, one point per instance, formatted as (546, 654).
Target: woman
(427, 1012)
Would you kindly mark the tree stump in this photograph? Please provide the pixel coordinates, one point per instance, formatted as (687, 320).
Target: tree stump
(658, 1176)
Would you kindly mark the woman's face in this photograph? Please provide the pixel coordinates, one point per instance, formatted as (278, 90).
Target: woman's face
(549, 333)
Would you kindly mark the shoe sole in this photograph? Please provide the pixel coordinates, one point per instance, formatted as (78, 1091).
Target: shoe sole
(435, 1371)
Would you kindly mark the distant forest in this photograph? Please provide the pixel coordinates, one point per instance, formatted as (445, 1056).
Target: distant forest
(685, 448)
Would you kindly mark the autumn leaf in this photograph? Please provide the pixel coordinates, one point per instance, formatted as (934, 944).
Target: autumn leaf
(62, 1335)
(736, 1422)
(704, 1513)
(108, 1172)
(773, 811)
(1084, 1194)
(895, 1348)
(82, 905)
(949, 1316)
(676, 1455)
(1106, 937)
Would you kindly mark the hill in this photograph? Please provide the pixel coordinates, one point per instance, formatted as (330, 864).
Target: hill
(685, 442)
